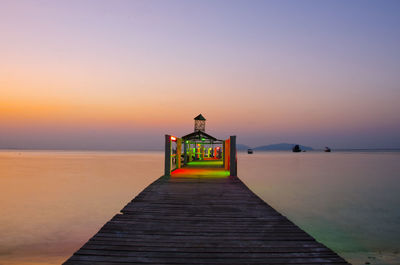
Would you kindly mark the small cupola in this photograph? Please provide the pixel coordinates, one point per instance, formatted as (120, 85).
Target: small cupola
(199, 123)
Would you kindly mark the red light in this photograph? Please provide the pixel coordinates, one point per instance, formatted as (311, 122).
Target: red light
(217, 148)
(173, 138)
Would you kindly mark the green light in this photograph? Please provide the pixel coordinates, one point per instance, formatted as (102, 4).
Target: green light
(203, 139)
(206, 163)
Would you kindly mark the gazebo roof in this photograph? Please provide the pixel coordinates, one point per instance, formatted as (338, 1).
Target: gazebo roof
(198, 136)
(200, 118)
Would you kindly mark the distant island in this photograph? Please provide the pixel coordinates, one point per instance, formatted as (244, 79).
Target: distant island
(273, 147)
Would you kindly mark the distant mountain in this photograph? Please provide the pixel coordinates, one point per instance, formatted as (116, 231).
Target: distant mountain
(280, 147)
(242, 147)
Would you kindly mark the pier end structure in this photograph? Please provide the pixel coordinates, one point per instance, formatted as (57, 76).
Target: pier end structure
(199, 146)
(201, 214)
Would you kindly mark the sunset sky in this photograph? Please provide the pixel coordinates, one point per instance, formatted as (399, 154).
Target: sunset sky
(120, 74)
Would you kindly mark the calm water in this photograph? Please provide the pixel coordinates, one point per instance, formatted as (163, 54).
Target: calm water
(53, 202)
(348, 201)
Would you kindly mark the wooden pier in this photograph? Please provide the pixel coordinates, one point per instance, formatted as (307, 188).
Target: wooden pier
(200, 212)
(201, 215)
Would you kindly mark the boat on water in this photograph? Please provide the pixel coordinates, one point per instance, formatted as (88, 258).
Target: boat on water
(296, 149)
(249, 151)
(327, 149)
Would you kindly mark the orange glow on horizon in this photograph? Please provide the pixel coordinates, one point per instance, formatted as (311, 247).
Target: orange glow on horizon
(25, 112)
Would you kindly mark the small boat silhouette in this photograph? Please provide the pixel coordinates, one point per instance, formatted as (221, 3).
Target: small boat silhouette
(327, 149)
(249, 151)
(296, 149)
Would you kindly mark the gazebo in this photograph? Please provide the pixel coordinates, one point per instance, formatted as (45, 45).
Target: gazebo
(199, 146)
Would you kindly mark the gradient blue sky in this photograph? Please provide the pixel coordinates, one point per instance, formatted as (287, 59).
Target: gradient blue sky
(120, 74)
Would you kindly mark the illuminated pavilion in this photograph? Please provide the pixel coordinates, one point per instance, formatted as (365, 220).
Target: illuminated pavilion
(200, 149)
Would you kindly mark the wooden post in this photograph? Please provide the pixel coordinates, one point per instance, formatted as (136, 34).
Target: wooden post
(185, 150)
(223, 154)
(178, 152)
(167, 162)
(190, 153)
(233, 160)
(227, 154)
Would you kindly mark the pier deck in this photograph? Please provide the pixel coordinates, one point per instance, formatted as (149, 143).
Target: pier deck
(200, 215)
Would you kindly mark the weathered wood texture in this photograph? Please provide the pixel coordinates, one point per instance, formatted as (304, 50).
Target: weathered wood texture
(196, 220)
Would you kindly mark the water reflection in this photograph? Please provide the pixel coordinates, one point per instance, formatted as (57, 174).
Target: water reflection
(53, 202)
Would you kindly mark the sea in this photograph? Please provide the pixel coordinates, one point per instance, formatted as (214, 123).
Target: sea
(52, 202)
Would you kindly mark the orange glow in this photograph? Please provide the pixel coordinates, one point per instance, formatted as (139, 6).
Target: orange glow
(23, 104)
(22, 111)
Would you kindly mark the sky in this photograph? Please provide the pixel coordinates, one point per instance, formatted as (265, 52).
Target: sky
(120, 74)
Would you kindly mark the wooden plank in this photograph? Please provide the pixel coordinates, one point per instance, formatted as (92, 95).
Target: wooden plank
(203, 247)
(211, 260)
(206, 244)
(204, 255)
